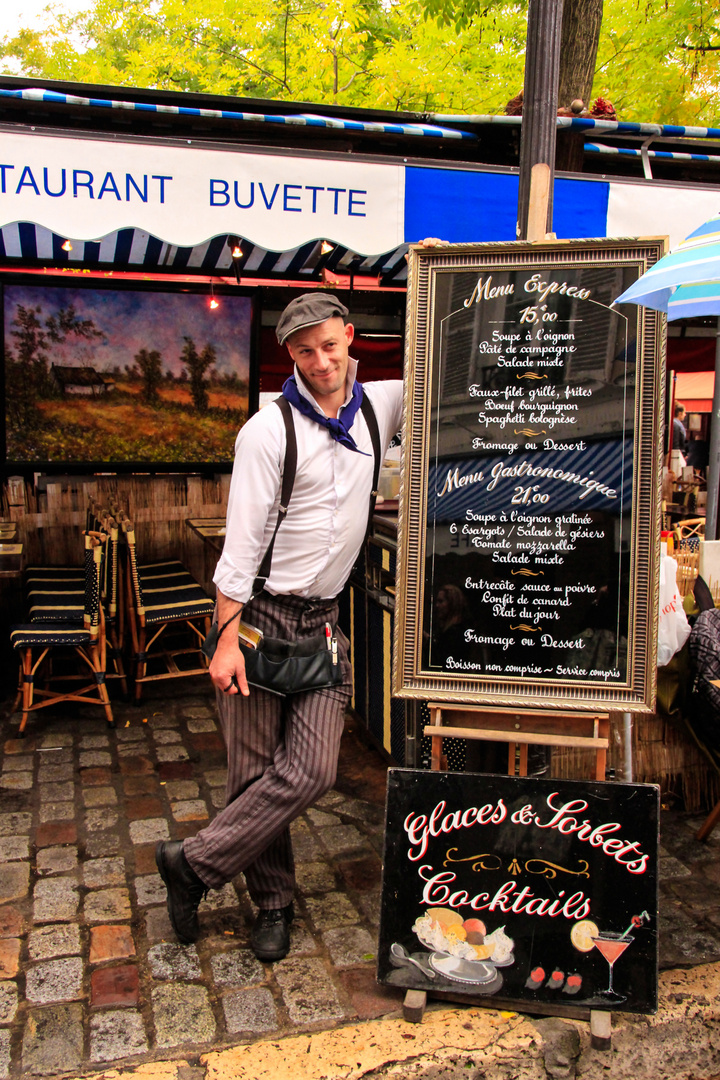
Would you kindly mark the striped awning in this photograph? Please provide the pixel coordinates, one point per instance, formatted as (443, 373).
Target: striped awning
(136, 250)
(660, 155)
(588, 123)
(310, 120)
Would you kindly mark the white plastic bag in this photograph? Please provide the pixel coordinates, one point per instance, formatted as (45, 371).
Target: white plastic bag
(673, 626)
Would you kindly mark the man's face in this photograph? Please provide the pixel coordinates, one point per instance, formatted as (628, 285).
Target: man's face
(321, 355)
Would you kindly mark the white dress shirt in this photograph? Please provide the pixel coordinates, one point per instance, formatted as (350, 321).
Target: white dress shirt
(318, 543)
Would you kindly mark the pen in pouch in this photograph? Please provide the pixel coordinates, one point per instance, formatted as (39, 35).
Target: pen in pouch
(328, 635)
(334, 650)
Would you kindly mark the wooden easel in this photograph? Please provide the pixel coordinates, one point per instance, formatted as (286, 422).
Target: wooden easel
(520, 728)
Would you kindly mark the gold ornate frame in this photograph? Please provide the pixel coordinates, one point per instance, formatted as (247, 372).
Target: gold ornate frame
(636, 691)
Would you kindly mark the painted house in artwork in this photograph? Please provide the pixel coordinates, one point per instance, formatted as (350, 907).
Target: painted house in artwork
(81, 380)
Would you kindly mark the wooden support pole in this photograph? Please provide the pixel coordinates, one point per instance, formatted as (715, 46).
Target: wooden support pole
(539, 201)
(539, 121)
(600, 1030)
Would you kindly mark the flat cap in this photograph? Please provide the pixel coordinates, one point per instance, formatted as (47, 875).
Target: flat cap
(308, 310)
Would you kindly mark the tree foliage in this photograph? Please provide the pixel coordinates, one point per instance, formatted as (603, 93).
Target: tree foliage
(657, 59)
(196, 365)
(28, 357)
(149, 365)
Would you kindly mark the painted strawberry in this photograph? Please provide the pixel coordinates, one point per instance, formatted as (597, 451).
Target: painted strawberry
(536, 978)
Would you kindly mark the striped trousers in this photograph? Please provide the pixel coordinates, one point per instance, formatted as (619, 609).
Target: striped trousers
(282, 756)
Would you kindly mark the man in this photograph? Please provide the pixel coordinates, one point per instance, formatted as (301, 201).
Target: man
(680, 439)
(282, 752)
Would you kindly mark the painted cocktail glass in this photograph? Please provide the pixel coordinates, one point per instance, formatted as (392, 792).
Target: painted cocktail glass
(611, 946)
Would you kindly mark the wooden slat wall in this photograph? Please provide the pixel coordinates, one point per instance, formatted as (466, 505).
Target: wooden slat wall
(49, 523)
(661, 755)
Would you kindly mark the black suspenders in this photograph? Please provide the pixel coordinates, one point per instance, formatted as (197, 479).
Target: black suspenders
(290, 468)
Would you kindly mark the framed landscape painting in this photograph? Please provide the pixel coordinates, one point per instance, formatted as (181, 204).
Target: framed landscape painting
(104, 376)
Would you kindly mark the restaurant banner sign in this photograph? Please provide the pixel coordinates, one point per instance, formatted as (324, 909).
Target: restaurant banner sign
(529, 516)
(532, 891)
(84, 188)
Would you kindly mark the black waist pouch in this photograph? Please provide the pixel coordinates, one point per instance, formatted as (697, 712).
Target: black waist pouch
(288, 667)
(291, 667)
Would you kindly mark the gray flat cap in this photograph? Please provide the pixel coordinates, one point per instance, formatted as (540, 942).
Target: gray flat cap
(308, 310)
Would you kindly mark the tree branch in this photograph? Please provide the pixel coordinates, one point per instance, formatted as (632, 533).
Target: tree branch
(700, 48)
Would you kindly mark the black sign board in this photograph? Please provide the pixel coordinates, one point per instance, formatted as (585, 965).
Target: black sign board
(529, 890)
(530, 517)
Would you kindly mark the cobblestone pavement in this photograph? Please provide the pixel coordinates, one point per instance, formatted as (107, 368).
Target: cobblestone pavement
(90, 972)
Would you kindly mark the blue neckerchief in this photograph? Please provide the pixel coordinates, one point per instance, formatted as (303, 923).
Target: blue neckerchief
(339, 429)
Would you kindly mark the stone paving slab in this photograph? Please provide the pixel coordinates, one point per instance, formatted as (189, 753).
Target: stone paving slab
(83, 919)
(49, 941)
(53, 1040)
(91, 975)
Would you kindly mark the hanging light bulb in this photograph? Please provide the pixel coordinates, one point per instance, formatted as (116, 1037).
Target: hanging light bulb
(237, 252)
(326, 247)
(67, 246)
(213, 302)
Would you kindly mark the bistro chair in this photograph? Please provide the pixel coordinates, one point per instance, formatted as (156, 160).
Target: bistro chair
(169, 615)
(57, 594)
(40, 642)
(690, 532)
(50, 579)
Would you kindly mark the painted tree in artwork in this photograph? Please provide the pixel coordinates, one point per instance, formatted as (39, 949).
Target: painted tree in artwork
(28, 356)
(26, 366)
(149, 364)
(197, 365)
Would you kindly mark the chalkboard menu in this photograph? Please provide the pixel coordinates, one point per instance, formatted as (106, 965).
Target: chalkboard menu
(525, 890)
(529, 512)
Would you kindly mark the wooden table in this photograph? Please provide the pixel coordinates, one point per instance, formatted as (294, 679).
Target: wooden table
(210, 530)
(11, 561)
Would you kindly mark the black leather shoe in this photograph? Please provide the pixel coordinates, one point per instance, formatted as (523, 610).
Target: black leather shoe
(270, 936)
(185, 889)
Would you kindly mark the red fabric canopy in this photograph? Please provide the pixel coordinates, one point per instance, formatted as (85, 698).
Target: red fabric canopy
(691, 354)
(695, 390)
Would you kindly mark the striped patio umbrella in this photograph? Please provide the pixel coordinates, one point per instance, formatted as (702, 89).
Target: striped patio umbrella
(685, 283)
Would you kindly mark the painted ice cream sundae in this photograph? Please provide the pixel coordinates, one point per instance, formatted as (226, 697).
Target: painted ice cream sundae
(461, 948)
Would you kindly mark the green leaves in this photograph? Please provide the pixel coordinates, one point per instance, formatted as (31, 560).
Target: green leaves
(658, 60)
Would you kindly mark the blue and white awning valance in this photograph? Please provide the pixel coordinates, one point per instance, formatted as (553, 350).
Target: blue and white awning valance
(133, 250)
(168, 208)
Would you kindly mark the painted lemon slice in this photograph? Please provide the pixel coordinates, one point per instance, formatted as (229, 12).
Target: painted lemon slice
(483, 952)
(582, 935)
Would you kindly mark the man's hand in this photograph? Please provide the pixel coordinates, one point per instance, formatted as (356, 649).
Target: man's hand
(227, 667)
